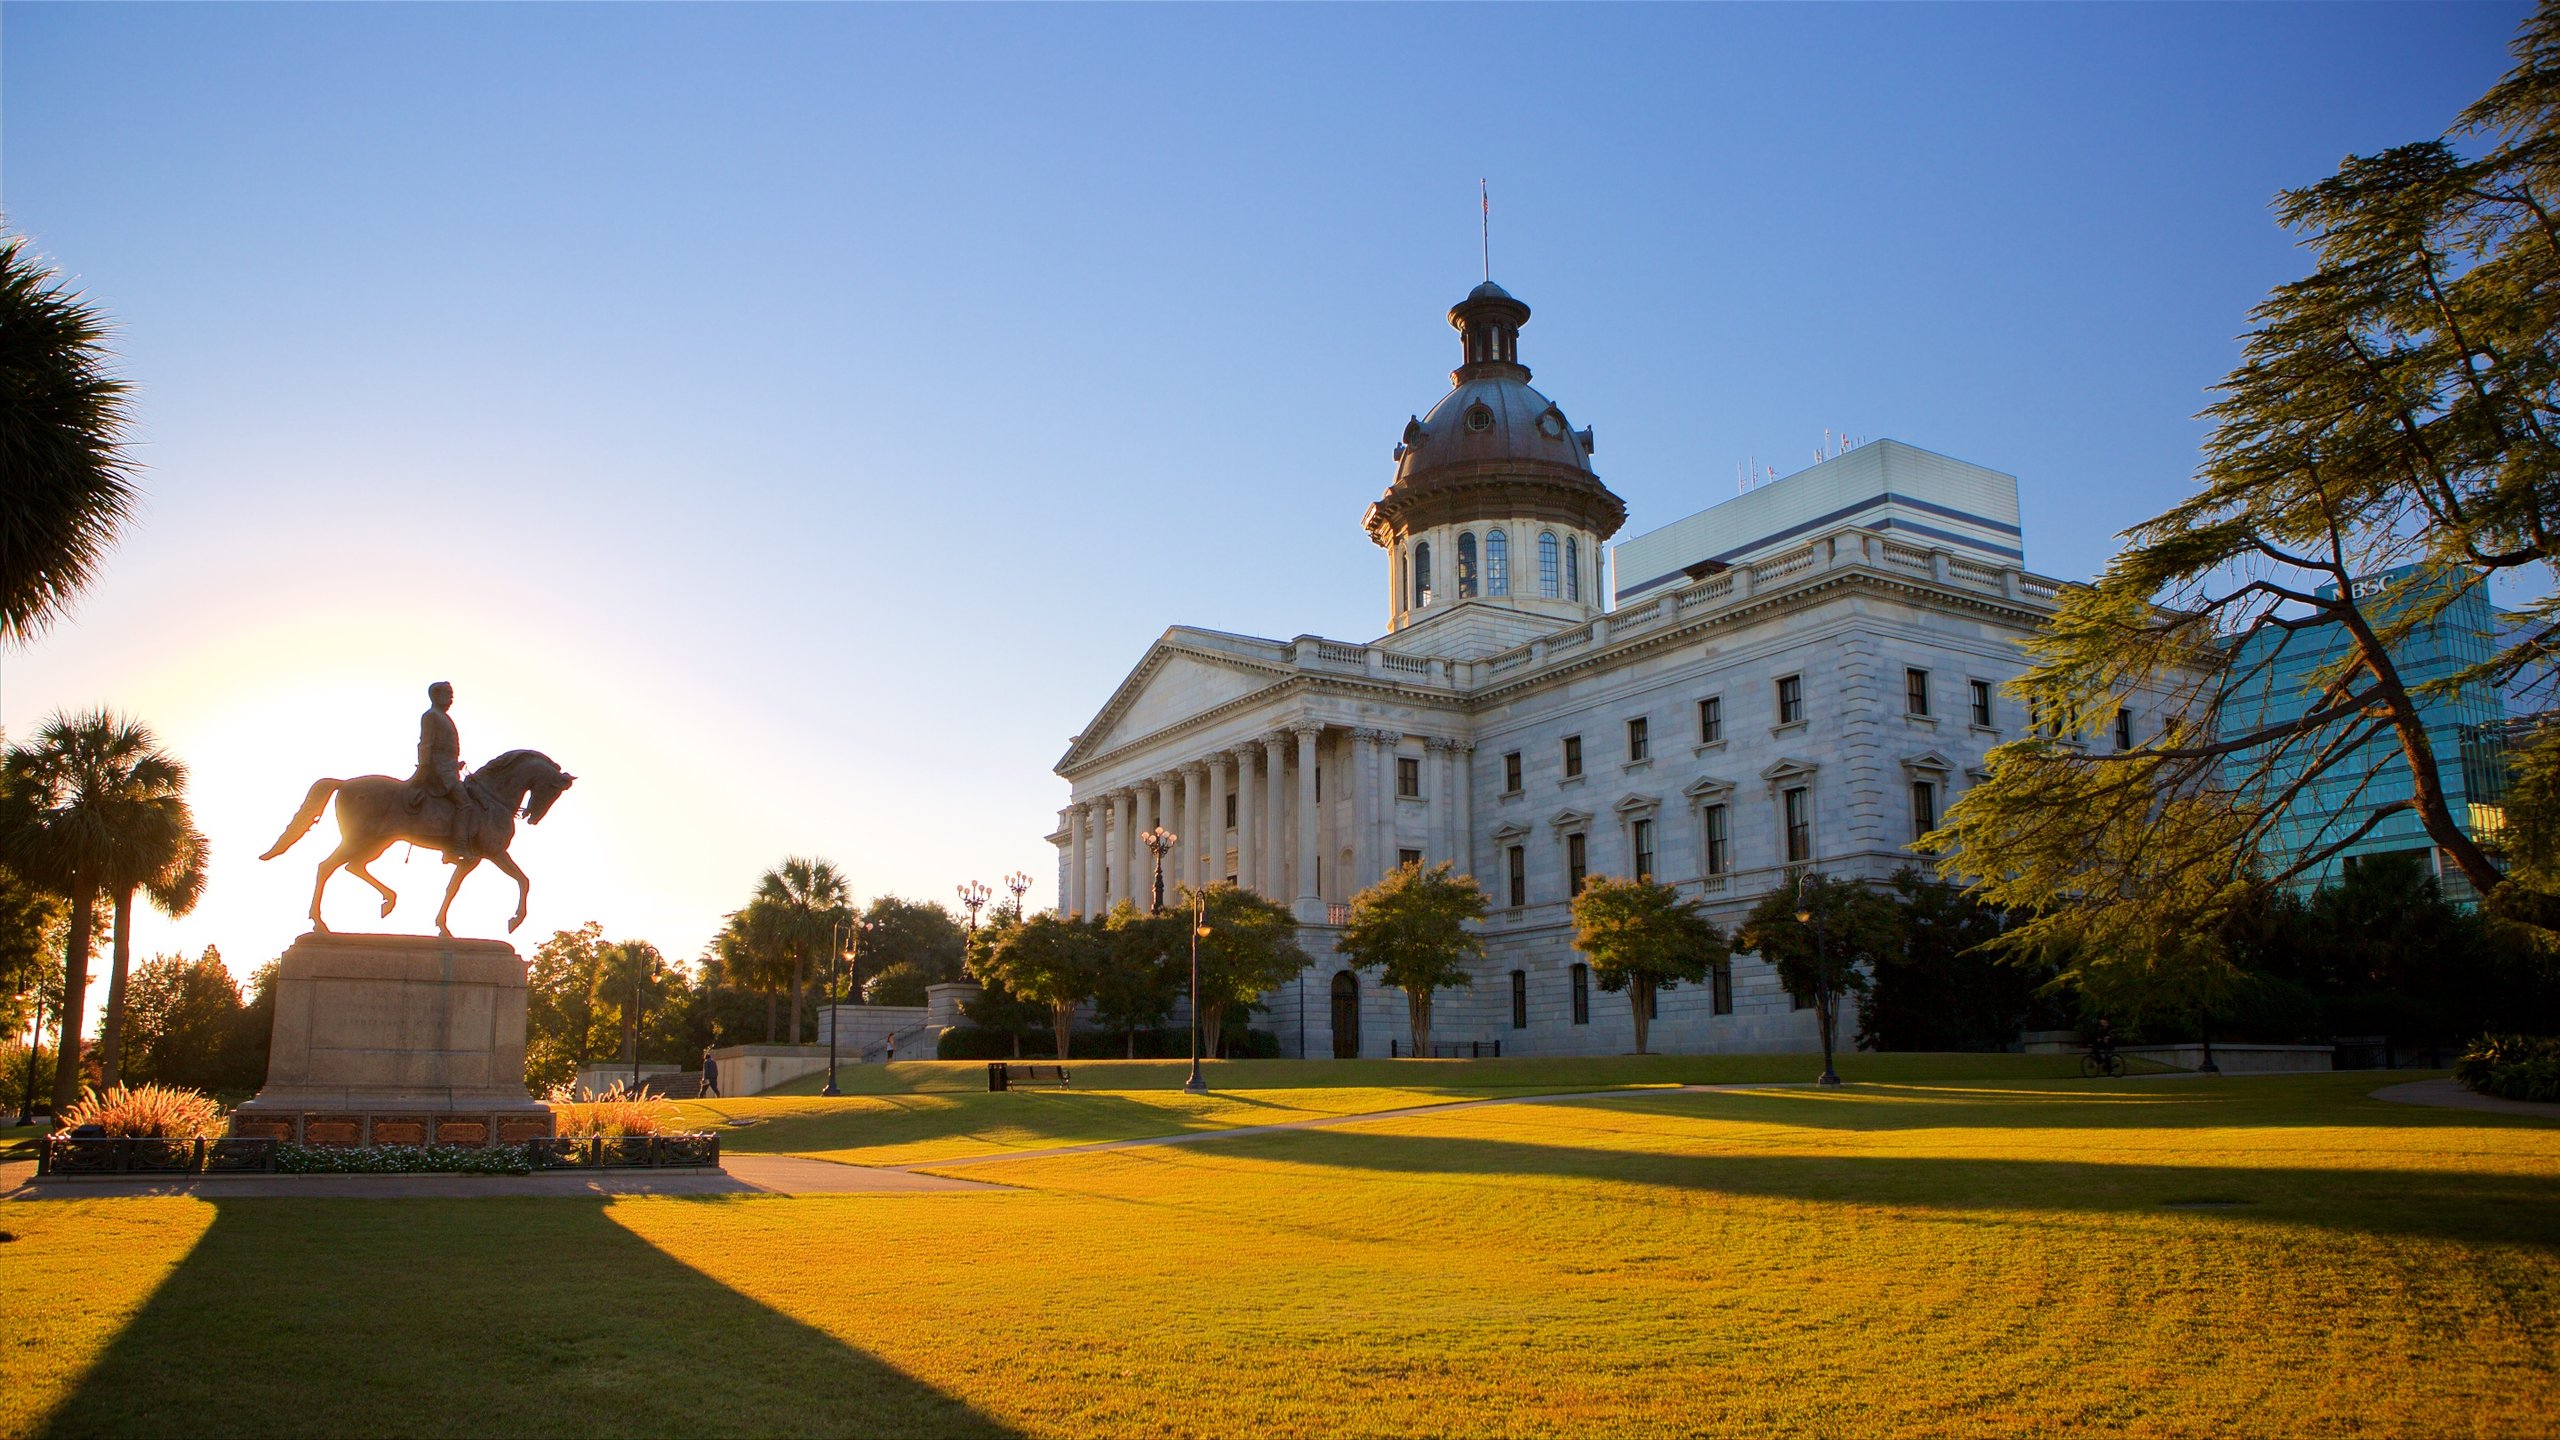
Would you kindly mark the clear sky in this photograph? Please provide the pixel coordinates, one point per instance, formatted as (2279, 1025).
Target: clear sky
(797, 419)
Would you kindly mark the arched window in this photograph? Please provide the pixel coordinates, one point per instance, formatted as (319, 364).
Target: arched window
(1497, 564)
(1466, 564)
(1572, 569)
(1547, 584)
(1422, 574)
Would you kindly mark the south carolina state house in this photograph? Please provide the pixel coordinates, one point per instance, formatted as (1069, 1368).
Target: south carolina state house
(1806, 674)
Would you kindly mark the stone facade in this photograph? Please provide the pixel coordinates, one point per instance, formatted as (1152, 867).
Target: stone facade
(1516, 735)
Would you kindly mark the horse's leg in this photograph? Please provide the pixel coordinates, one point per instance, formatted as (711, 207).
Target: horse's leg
(524, 887)
(452, 888)
(344, 854)
(357, 868)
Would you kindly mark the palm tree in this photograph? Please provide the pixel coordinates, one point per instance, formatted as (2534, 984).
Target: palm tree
(65, 484)
(80, 804)
(173, 882)
(795, 910)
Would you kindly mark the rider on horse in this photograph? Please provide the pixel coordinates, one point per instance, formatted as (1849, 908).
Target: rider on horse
(439, 770)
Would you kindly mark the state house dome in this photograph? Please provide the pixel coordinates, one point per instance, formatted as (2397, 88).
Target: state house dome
(1496, 464)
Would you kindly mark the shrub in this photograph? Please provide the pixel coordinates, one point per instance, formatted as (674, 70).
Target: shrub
(404, 1159)
(2512, 1067)
(618, 1112)
(162, 1111)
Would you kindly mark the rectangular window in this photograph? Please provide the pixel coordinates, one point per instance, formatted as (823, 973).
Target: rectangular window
(1790, 699)
(1319, 784)
(1711, 720)
(1722, 981)
(1572, 756)
(1639, 740)
(1511, 773)
(1799, 818)
(1231, 812)
(1519, 875)
(1924, 808)
(1408, 857)
(1408, 778)
(1915, 692)
(1576, 863)
(1519, 999)
(1653, 1004)
(2124, 729)
(1719, 841)
(1581, 994)
(1982, 703)
(1643, 835)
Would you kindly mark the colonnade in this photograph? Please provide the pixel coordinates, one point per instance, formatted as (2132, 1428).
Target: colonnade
(1317, 817)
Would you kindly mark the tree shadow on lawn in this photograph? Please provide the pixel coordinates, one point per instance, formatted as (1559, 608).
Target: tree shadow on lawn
(1005, 1122)
(2180, 1104)
(477, 1316)
(2468, 1206)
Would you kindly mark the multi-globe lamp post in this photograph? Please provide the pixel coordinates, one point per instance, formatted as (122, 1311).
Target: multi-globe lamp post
(1159, 840)
(1020, 884)
(845, 930)
(1805, 915)
(974, 896)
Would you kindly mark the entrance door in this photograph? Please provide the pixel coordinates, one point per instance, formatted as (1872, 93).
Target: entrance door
(1346, 1016)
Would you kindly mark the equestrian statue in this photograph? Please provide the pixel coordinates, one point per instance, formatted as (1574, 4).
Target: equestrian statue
(469, 819)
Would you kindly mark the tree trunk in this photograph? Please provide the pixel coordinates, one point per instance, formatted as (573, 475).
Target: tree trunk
(772, 1014)
(1213, 1024)
(1640, 991)
(75, 996)
(1064, 1017)
(1132, 1036)
(1417, 1005)
(799, 981)
(111, 1031)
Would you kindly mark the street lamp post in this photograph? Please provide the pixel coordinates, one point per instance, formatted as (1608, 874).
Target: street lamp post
(1158, 841)
(35, 1039)
(973, 895)
(1019, 884)
(1806, 915)
(1199, 928)
(639, 972)
(844, 929)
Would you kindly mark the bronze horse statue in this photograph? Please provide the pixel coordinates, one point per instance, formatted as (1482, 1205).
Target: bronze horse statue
(374, 815)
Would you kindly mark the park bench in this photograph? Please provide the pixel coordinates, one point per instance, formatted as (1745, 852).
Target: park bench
(1005, 1074)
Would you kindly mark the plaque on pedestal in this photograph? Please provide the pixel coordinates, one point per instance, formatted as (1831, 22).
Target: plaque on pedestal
(403, 1039)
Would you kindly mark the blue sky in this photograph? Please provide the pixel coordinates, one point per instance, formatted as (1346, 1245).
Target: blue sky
(796, 419)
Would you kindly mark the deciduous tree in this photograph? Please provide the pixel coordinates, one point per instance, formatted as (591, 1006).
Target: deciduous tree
(1412, 928)
(1251, 950)
(1641, 937)
(1051, 962)
(1850, 930)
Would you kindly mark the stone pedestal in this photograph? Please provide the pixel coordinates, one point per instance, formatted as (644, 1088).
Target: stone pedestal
(397, 1039)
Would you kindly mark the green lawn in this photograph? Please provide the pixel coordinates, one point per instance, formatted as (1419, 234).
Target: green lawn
(1958, 1257)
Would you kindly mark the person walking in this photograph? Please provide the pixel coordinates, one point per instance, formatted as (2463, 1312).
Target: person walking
(710, 1073)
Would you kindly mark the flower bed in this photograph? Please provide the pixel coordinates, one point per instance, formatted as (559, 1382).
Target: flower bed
(64, 1153)
(2513, 1067)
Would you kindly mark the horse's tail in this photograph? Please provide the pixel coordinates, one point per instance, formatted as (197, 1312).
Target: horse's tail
(304, 818)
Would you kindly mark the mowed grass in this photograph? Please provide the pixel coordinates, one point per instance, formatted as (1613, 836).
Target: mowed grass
(1963, 1257)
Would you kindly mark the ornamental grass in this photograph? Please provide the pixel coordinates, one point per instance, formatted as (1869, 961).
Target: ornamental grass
(167, 1112)
(616, 1113)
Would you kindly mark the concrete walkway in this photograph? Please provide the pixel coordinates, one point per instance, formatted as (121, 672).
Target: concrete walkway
(737, 1175)
(2452, 1095)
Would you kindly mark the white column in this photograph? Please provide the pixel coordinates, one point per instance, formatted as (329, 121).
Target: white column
(1275, 864)
(1124, 848)
(1310, 903)
(1461, 817)
(1435, 800)
(1196, 841)
(1367, 865)
(1095, 849)
(1071, 885)
(1218, 793)
(1248, 847)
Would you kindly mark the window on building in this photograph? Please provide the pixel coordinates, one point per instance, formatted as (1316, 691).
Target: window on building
(1721, 982)
(1790, 699)
(1924, 808)
(1319, 784)
(1519, 859)
(1581, 993)
(1577, 862)
(1639, 739)
(1422, 574)
(1547, 581)
(2124, 729)
(1643, 838)
(1497, 563)
(1408, 857)
(1572, 569)
(1572, 756)
(1915, 692)
(1466, 564)
(1511, 773)
(1231, 812)
(1409, 777)
(1519, 999)
(1711, 720)
(1719, 841)
(1799, 817)
(1982, 703)
(1653, 1004)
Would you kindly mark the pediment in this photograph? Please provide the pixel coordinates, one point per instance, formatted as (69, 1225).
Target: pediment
(1569, 819)
(1708, 787)
(1172, 684)
(1929, 762)
(1510, 830)
(1638, 805)
(1789, 768)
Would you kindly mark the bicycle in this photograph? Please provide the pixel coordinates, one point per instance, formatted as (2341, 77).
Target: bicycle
(2102, 1062)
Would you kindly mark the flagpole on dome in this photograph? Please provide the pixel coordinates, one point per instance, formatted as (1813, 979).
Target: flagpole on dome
(1484, 198)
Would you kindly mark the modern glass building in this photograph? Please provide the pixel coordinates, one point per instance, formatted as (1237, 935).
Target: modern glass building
(2276, 672)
